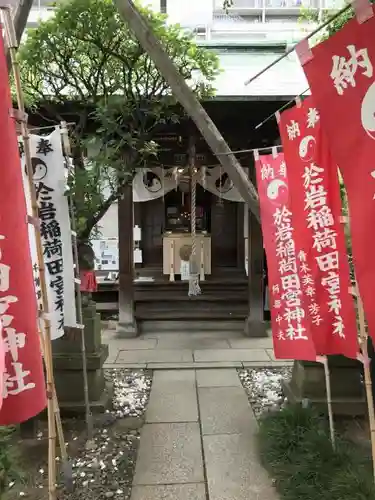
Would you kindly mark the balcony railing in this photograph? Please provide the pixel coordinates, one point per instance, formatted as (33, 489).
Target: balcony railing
(246, 6)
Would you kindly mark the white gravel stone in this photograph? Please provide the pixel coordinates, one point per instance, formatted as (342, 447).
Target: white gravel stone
(264, 387)
(105, 467)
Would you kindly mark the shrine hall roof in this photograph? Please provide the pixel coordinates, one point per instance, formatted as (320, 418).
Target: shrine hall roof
(285, 80)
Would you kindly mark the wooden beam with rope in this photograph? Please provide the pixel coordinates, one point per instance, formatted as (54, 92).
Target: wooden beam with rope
(144, 33)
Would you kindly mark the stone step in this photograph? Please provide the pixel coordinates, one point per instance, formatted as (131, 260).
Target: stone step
(193, 325)
(188, 315)
(231, 296)
(176, 285)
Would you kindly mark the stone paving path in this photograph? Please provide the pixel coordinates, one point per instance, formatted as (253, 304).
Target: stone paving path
(198, 442)
(190, 350)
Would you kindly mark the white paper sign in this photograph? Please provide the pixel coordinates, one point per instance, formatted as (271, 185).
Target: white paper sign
(185, 270)
(106, 254)
(50, 184)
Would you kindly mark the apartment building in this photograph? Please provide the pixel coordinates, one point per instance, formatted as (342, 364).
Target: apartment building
(247, 36)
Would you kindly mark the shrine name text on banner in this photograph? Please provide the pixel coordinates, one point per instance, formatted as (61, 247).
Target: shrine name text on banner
(315, 203)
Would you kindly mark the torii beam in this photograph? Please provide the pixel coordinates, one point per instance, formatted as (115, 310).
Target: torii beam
(190, 103)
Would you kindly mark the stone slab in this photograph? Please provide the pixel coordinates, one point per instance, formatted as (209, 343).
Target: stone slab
(224, 410)
(170, 492)
(112, 356)
(155, 356)
(214, 334)
(169, 454)
(267, 364)
(231, 355)
(249, 343)
(192, 343)
(271, 354)
(173, 406)
(198, 366)
(132, 344)
(117, 366)
(218, 378)
(173, 397)
(169, 377)
(233, 468)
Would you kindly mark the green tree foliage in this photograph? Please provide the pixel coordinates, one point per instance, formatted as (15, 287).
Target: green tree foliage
(312, 16)
(86, 59)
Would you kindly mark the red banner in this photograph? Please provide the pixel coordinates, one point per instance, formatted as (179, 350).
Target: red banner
(2, 364)
(316, 207)
(24, 391)
(341, 73)
(289, 316)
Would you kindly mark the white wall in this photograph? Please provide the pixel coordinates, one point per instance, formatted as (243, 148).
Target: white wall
(190, 12)
(108, 226)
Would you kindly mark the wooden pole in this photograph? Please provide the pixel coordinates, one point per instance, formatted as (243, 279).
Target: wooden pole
(189, 102)
(67, 469)
(366, 369)
(46, 346)
(289, 51)
(89, 420)
(324, 361)
(365, 358)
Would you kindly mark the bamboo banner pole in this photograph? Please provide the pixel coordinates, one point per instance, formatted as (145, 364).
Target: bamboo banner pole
(310, 35)
(46, 346)
(67, 469)
(324, 361)
(364, 358)
(89, 420)
(367, 374)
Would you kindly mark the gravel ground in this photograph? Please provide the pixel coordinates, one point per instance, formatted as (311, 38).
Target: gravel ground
(264, 388)
(103, 468)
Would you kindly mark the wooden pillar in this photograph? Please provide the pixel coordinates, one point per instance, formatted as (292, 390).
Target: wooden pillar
(127, 326)
(241, 207)
(255, 325)
(137, 221)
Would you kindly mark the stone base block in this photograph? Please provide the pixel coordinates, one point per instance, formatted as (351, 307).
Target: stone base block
(255, 328)
(73, 361)
(69, 385)
(308, 382)
(72, 409)
(127, 330)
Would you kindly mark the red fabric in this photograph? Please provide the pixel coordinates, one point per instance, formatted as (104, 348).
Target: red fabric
(316, 206)
(341, 75)
(88, 281)
(24, 391)
(2, 364)
(290, 327)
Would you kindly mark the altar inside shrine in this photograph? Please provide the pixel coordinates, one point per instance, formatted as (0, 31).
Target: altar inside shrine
(172, 262)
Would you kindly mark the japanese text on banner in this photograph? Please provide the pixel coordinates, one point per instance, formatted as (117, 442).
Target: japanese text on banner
(316, 207)
(23, 388)
(288, 314)
(342, 79)
(15, 380)
(49, 180)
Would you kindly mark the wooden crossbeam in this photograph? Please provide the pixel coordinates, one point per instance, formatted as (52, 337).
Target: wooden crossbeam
(139, 25)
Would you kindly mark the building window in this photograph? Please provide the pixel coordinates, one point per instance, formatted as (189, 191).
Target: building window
(163, 6)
